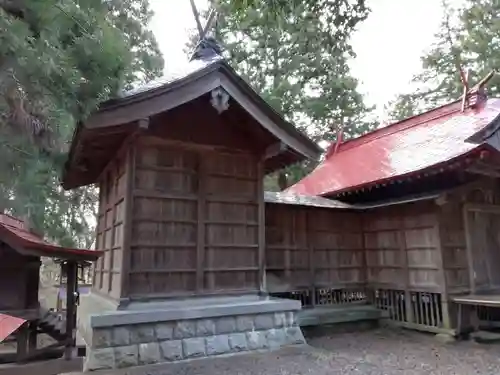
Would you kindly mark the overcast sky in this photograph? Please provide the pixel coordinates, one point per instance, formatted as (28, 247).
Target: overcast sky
(388, 44)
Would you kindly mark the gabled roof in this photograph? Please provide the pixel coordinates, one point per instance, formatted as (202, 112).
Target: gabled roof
(195, 79)
(14, 232)
(412, 146)
(8, 325)
(228, 79)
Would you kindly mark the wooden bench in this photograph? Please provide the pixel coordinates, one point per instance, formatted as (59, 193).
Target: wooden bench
(321, 315)
(467, 308)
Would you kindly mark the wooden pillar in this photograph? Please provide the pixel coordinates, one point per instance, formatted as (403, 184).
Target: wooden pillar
(32, 336)
(310, 250)
(405, 268)
(200, 237)
(127, 221)
(262, 229)
(442, 274)
(71, 281)
(468, 249)
(364, 260)
(22, 337)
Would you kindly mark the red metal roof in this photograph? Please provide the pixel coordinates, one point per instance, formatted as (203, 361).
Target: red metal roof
(15, 233)
(8, 325)
(410, 146)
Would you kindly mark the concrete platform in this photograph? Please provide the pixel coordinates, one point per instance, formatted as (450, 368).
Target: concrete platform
(177, 330)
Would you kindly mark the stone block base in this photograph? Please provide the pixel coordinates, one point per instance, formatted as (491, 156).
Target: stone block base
(169, 337)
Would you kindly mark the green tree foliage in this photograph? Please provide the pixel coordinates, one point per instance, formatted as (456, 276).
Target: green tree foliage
(58, 60)
(402, 107)
(296, 54)
(468, 38)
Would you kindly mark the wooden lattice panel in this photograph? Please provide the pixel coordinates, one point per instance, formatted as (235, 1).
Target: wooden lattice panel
(230, 206)
(453, 245)
(164, 222)
(287, 250)
(313, 247)
(402, 247)
(384, 258)
(194, 221)
(110, 235)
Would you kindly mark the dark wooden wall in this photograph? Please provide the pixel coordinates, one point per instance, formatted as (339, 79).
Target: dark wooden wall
(19, 278)
(195, 220)
(310, 249)
(484, 192)
(110, 229)
(403, 248)
(390, 256)
(180, 219)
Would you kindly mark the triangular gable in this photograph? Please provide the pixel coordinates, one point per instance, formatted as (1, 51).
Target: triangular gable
(198, 78)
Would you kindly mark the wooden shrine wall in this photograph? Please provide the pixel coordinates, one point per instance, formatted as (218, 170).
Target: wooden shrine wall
(403, 248)
(453, 243)
(194, 221)
(310, 248)
(110, 229)
(404, 264)
(485, 191)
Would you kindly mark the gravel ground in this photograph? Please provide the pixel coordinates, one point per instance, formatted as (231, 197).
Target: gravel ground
(375, 352)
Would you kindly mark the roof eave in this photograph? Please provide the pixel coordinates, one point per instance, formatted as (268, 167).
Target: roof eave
(218, 74)
(485, 133)
(433, 169)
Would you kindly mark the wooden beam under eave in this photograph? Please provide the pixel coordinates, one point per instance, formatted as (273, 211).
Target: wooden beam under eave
(274, 150)
(483, 171)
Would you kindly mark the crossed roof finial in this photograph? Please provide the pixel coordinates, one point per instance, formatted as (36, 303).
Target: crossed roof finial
(207, 45)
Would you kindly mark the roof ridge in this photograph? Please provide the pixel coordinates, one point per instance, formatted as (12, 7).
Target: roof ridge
(416, 120)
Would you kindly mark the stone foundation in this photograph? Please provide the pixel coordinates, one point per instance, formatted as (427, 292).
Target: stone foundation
(142, 336)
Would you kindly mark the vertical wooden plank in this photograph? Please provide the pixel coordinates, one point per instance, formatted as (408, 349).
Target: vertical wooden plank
(114, 195)
(33, 336)
(468, 248)
(22, 342)
(289, 219)
(201, 218)
(96, 246)
(487, 248)
(442, 272)
(405, 268)
(71, 280)
(104, 188)
(262, 226)
(128, 220)
(364, 261)
(310, 248)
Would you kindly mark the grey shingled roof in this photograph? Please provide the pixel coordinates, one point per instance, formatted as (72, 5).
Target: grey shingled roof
(310, 201)
(302, 200)
(176, 74)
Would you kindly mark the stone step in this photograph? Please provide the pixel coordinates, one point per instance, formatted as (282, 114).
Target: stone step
(485, 337)
(337, 314)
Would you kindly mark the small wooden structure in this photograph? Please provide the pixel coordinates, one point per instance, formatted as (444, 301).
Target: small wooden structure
(20, 311)
(180, 167)
(181, 208)
(426, 193)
